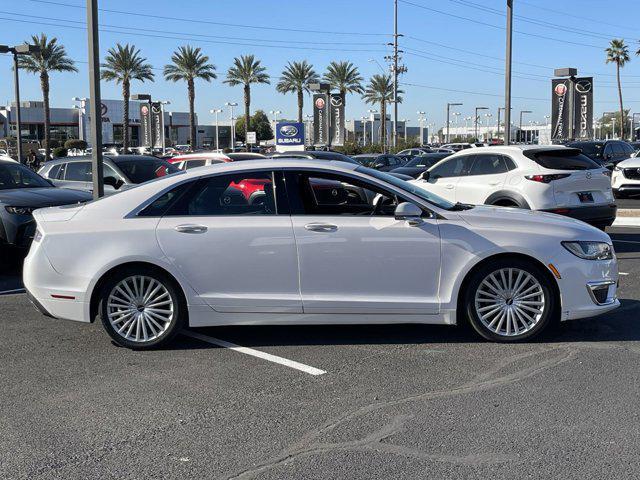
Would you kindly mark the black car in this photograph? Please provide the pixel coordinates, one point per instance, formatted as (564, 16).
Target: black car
(21, 192)
(420, 164)
(315, 155)
(383, 162)
(607, 153)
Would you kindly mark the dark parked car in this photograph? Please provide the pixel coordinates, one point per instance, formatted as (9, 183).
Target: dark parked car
(607, 152)
(315, 155)
(420, 164)
(383, 162)
(121, 171)
(21, 192)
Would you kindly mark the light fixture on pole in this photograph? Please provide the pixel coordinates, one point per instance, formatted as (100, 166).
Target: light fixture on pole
(275, 114)
(507, 75)
(521, 113)
(233, 126)
(449, 105)
(24, 49)
(421, 118)
(476, 120)
(216, 111)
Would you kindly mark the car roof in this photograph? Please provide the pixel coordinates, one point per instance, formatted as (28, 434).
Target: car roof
(510, 149)
(113, 158)
(269, 164)
(200, 156)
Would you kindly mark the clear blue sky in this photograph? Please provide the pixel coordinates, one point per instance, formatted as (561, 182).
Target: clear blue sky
(449, 45)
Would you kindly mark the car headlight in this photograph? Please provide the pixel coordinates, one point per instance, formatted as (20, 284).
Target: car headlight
(590, 250)
(20, 210)
(617, 169)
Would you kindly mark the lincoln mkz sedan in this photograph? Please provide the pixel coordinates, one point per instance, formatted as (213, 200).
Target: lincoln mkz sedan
(323, 243)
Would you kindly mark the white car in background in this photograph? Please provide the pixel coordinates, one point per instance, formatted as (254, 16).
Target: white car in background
(554, 179)
(7, 158)
(328, 242)
(625, 178)
(200, 159)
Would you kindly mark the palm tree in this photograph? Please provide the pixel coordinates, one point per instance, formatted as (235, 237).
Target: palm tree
(245, 71)
(296, 78)
(618, 53)
(52, 57)
(188, 64)
(123, 64)
(345, 77)
(380, 90)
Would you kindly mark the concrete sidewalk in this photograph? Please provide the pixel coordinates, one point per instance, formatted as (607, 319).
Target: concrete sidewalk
(627, 217)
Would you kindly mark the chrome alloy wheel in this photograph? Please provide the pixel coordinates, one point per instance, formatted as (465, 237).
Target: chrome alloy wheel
(510, 302)
(140, 308)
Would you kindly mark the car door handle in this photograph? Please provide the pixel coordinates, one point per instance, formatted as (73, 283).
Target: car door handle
(493, 184)
(321, 227)
(191, 228)
(448, 186)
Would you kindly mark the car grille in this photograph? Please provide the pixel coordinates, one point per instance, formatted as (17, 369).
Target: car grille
(632, 173)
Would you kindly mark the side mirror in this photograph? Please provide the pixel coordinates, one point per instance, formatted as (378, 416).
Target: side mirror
(409, 212)
(424, 176)
(113, 182)
(378, 165)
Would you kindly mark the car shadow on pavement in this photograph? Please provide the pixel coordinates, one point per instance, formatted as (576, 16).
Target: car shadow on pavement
(619, 325)
(626, 242)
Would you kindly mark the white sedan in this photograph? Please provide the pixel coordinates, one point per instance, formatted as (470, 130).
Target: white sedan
(305, 242)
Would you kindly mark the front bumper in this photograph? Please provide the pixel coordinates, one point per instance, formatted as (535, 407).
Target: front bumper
(600, 215)
(629, 188)
(17, 230)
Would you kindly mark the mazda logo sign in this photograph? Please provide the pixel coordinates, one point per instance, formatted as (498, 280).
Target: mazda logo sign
(336, 101)
(583, 86)
(288, 131)
(589, 175)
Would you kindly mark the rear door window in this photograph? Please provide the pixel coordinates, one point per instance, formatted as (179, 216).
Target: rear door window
(78, 172)
(488, 164)
(454, 167)
(562, 160)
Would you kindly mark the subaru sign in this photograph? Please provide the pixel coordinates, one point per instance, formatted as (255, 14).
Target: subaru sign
(290, 134)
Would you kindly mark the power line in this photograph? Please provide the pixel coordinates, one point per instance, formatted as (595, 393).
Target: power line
(194, 39)
(208, 22)
(478, 22)
(191, 33)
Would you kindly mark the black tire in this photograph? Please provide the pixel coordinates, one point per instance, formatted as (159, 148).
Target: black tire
(546, 316)
(178, 307)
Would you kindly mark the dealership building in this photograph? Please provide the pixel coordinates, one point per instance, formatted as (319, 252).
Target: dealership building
(75, 122)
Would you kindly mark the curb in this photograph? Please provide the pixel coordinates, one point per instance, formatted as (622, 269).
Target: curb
(626, 222)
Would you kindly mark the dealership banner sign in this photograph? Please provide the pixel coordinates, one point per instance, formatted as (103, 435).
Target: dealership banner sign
(336, 104)
(571, 108)
(320, 119)
(146, 130)
(290, 134)
(560, 109)
(583, 108)
(157, 122)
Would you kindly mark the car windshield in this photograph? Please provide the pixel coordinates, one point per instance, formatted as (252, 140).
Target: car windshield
(14, 175)
(590, 149)
(408, 187)
(145, 169)
(424, 161)
(367, 161)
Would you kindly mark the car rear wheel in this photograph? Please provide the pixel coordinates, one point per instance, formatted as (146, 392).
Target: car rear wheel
(141, 308)
(509, 300)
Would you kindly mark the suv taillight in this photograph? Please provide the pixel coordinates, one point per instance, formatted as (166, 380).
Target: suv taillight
(547, 178)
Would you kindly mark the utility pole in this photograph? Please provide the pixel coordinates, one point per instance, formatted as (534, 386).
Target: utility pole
(507, 75)
(476, 121)
(449, 105)
(395, 73)
(95, 99)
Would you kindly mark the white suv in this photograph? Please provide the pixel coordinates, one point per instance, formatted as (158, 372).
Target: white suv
(555, 179)
(626, 178)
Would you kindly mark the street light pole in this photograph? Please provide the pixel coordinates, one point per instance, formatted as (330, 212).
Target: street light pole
(449, 105)
(507, 75)
(216, 111)
(373, 121)
(476, 121)
(233, 126)
(16, 80)
(95, 99)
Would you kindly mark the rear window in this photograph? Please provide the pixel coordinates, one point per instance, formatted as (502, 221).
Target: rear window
(143, 170)
(590, 149)
(566, 159)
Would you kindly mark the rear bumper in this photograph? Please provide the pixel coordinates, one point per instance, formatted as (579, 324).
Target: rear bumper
(601, 215)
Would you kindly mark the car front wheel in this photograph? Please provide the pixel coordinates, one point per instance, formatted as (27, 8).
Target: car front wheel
(509, 300)
(141, 308)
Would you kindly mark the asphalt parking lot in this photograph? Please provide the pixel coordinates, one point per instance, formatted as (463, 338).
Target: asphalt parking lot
(362, 402)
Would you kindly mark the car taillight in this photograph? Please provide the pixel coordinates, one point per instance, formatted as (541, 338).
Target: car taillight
(547, 178)
(607, 173)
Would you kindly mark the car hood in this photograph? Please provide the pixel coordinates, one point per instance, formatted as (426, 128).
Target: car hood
(42, 197)
(517, 219)
(630, 163)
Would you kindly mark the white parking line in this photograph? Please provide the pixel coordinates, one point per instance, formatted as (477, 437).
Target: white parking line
(623, 273)
(11, 292)
(255, 353)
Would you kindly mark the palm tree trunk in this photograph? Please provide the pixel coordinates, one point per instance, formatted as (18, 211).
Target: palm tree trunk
(300, 104)
(44, 84)
(126, 93)
(622, 122)
(191, 91)
(247, 113)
